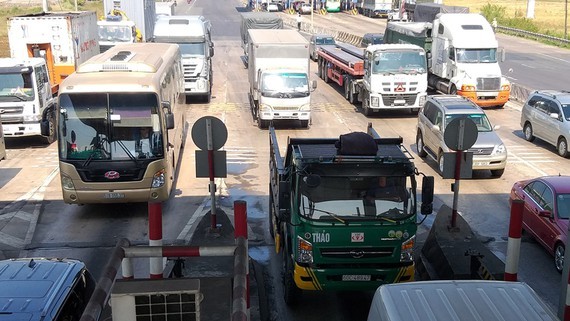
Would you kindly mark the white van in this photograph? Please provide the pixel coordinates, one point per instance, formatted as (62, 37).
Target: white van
(460, 300)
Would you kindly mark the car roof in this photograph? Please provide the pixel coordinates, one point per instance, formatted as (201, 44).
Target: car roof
(454, 104)
(560, 183)
(33, 286)
(561, 95)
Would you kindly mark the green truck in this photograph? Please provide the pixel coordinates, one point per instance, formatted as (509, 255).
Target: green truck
(343, 211)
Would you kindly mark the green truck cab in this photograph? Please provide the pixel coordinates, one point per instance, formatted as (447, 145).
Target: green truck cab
(344, 219)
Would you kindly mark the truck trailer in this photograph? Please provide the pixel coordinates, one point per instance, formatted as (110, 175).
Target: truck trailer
(45, 48)
(257, 20)
(278, 70)
(463, 55)
(375, 8)
(343, 211)
(382, 77)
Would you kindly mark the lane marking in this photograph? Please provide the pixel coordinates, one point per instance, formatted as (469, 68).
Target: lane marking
(555, 58)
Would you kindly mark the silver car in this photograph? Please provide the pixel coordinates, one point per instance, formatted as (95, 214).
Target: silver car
(489, 152)
(319, 40)
(546, 115)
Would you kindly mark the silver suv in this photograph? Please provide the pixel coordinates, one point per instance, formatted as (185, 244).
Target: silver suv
(489, 152)
(546, 115)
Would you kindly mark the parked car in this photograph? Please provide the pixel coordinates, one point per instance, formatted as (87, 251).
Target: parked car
(319, 40)
(489, 152)
(372, 39)
(546, 115)
(37, 289)
(297, 5)
(305, 8)
(395, 15)
(272, 7)
(546, 211)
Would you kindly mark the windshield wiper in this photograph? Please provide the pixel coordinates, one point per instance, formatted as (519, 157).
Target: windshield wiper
(19, 96)
(131, 156)
(333, 215)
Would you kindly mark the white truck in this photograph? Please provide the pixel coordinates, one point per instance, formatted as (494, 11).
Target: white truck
(193, 35)
(278, 72)
(126, 22)
(376, 8)
(257, 20)
(45, 48)
(463, 55)
(165, 8)
(382, 77)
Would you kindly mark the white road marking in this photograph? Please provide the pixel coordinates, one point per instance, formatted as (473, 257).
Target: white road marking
(555, 58)
(528, 66)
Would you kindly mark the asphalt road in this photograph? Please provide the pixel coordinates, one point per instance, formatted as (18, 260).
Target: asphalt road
(35, 222)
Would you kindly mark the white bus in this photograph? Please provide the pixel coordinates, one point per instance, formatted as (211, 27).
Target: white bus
(121, 125)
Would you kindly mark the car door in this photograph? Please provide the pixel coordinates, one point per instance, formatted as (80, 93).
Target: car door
(532, 198)
(548, 230)
(540, 118)
(436, 131)
(552, 125)
(425, 118)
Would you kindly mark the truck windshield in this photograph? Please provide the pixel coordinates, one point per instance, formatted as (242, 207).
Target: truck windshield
(409, 62)
(357, 198)
(16, 87)
(284, 85)
(476, 55)
(116, 33)
(115, 126)
(192, 49)
(481, 120)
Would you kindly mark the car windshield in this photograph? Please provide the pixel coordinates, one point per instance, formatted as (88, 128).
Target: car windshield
(563, 205)
(325, 41)
(347, 199)
(481, 120)
(476, 55)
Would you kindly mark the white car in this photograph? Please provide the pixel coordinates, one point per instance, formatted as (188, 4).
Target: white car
(305, 8)
(272, 7)
(394, 15)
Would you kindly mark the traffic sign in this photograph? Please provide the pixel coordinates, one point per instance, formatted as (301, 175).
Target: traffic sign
(460, 134)
(218, 131)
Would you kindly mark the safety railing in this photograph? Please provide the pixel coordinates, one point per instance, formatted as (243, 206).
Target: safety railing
(533, 35)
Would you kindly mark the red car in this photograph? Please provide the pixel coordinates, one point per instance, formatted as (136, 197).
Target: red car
(546, 211)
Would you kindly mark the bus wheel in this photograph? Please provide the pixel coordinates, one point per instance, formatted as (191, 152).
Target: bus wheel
(51, 137)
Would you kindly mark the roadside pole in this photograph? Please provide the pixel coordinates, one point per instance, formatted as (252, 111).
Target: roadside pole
(564, 302)
(211, 171)
(514, 243)
(155, 237)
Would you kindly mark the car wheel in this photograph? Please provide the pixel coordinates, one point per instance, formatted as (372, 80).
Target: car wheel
(562, 147)
(440, 163)
(559, 257)
(527, 131)
(497, 172)
(420, 145)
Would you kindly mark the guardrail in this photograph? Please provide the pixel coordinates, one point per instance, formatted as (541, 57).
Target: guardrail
(528, 34)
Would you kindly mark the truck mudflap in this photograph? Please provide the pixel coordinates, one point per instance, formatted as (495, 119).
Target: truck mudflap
(500, 99)
(307, 278)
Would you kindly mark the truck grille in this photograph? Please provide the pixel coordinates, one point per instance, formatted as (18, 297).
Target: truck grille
(481, 151)
(357, 253)
(285, 108)
(12, 114)
(489, 83)
(190, 70)
(388, 100)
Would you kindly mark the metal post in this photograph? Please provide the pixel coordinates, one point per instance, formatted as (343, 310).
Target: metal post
(514, 243)
(241, 265)
(155, 237)
(458, 156)
(210, 141)
(312, 13)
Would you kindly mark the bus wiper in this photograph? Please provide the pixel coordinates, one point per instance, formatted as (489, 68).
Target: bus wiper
(333, 215)
(98, 149)
(131, 156)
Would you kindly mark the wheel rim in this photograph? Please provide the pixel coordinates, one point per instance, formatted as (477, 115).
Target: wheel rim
(527, 132)
(440, 162)
(420, 144)
(562, 148)
(559, 257)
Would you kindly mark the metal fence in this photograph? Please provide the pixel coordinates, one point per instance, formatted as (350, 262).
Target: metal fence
(533, 35)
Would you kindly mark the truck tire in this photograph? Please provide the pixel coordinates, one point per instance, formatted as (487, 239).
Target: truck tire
(291, 292)
(305, 124)
(320, 68)
(51, 137)
(366, 105)
(353, 97)
(346, 82)
(326, 73)
(453, 90)
(262, 124)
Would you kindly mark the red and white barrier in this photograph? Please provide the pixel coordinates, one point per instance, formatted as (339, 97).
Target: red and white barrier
(514, 243)
(155, 237)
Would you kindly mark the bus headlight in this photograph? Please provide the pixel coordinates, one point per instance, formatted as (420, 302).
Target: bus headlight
(407, 253)
(304, 251)
(374, 101)
(158, 179)
(67, 183)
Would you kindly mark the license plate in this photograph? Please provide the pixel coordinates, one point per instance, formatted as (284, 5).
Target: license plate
(481, 164)
(113, 195)
(399, 101)
(352, 277)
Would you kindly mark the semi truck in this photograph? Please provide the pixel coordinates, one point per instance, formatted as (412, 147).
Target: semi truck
(193, 35)
(375, 8)
(257, 20)
(382, 77)
(45, 48)
(126, 22)
(278, 71)
(463, 55)
(343, 211)
(165, 8)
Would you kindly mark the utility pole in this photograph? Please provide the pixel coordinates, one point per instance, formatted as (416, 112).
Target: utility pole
(566, 19)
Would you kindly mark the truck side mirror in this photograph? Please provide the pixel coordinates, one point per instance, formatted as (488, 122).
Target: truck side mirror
(284, 200)
(170, 121)
(212, 51)
(427, 195)
(313, 84)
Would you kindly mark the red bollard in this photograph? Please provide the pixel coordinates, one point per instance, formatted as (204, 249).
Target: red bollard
(514, 243)
(155, 237)
(240, 222)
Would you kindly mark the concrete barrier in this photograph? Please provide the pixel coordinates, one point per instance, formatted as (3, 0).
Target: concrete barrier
(520, 93)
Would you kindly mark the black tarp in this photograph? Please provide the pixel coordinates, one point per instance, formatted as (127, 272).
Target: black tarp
(426, 12)
(258, 20)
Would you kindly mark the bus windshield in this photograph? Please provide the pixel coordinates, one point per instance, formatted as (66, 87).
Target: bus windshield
(109, 126)
(346, 199)
(16, 87)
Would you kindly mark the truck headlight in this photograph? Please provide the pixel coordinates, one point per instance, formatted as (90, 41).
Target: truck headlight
(67, 183)
(305, 107)
(501, 149)
(158, 179)
(407, 253)
(201, 83)
(422, 100)
(304, 251)
(468, 88)
(264, 108)
(505, 88)
(32, 118)
(374, 101)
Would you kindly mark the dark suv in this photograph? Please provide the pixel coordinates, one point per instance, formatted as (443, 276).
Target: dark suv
(489, 152)
(546, 115)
